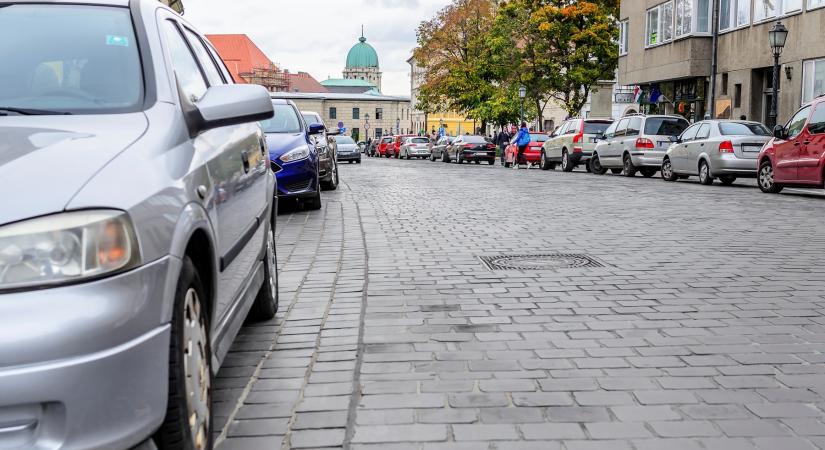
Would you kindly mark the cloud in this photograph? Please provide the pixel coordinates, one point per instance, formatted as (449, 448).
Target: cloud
(315, 37)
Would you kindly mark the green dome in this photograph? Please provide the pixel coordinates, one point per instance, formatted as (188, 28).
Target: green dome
(362, 55)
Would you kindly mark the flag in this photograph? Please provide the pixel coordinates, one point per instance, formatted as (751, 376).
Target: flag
(637, 94)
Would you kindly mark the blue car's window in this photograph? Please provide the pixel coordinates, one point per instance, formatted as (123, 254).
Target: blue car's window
(69, 59)
(285, 120)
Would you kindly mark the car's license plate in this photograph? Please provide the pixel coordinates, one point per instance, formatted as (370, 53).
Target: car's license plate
(594, 140)
(661, 143)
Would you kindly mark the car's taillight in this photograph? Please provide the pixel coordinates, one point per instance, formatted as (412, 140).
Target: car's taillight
(491, 146)
(726, 147)
(644, 143)
(469, 145)
(577, 139)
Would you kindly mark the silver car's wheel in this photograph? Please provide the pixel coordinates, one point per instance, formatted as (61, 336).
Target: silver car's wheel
(196, 369)
(704, 174)
(667, 171)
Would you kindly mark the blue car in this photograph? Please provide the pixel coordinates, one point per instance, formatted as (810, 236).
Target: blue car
(292, 155)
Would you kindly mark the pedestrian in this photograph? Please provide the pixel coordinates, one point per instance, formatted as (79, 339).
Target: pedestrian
(502, 140)
(522, 140)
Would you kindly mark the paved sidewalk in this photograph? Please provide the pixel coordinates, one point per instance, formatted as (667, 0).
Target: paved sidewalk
(705, 329)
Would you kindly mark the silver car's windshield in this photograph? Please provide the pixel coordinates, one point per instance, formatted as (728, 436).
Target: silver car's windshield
(68, 59)
(285, 120)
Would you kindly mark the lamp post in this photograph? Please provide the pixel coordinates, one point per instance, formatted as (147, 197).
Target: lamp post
(366, 127)
(777, 36)
(522, 93)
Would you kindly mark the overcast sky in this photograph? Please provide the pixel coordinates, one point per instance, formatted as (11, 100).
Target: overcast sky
(315, 36)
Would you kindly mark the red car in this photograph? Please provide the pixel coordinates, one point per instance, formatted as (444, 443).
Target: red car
(533, 152)
(384, 148)
(398, 142)
(796, 154)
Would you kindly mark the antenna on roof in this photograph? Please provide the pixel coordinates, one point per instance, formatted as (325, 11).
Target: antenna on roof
(362, 30)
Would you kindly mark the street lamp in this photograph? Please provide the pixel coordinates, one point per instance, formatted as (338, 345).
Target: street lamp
(522, 92)
(366, 126)
(777, 36)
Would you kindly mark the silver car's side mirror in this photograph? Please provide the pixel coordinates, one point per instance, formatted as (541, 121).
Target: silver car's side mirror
(229, 104)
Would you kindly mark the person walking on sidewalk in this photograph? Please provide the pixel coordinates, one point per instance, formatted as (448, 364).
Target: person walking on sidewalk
(502, 140)
(522, 141)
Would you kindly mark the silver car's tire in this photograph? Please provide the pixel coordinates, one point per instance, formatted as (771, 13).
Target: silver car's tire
(596, 166)
(704, 174)
(667, 171)
(266, 303)
(566, 164)
(629, 169)
(188, 421)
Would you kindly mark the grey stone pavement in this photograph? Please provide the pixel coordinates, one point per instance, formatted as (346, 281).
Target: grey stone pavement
(704, 330)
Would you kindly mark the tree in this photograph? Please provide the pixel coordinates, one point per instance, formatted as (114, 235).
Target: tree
(578, 40)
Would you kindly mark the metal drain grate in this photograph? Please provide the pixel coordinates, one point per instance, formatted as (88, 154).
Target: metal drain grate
(549, 261)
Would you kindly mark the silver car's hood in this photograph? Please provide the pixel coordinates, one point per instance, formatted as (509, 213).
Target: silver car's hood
(45, 160)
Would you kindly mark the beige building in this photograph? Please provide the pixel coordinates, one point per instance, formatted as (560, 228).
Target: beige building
(666, 48)
(363, 115)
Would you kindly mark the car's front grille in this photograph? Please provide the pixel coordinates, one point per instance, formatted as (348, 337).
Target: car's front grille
(298, 186)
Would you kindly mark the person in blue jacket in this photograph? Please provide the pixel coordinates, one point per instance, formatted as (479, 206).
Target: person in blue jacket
(522, 141)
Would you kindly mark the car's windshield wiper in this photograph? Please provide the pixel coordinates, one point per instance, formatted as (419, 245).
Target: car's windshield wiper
(5, 110)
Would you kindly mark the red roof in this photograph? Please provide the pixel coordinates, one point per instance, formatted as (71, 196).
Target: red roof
(239, 54)
(304, 82)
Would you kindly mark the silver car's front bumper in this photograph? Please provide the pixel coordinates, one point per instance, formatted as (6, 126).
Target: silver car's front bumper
(85, 366)
(730, 164)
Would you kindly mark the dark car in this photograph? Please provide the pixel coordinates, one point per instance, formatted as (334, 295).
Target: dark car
(327, 153)
(293, 154)
(471, 148)
(438, 150)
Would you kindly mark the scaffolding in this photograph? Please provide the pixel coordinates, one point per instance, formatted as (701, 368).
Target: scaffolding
(271, 77)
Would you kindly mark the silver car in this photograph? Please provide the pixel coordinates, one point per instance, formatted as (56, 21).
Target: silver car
(636, 143)
(348, 150)
(572, 144)
(711, 149)
(415, 147)
(136, 227)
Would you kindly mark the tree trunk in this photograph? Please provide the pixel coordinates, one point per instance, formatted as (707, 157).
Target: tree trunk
(540, 112)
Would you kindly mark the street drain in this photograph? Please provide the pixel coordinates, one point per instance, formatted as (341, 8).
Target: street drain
(549, 261)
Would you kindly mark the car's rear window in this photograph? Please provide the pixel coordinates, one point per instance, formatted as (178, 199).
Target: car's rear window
(312, 118)
(77, 59)
(743, 129)
(538, 138)
(665, 126)
(474, 139)
(420, 141)
(595, 127)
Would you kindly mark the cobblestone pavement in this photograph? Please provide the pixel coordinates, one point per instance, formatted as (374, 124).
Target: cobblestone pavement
(705, 329)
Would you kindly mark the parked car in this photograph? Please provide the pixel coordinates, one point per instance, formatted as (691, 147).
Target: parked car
(384, 148)
(415, 147)
(128, 270)
(293, 154)
(327, 152)
(636, 143)
(532, 153)
(438, 151)
(572, 144)
(397, 141)
(347, 149)
(471, 148)
(362, 147)
(712, 149)
(796, 154)
(372, 148)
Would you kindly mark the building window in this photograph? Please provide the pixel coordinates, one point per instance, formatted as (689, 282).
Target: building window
(764, 9)
(623, 37)
(379, 113)
(737, 95)
(356, 113)
(743, 12)
(379, 132)
(815, 3)
(734, 13)
(813, 79)
(725, 19)
(724, 84)
(666, 21)
(356, 134)
(652, 34)
(789, 6)
(684, 17)
(703, 16)
(333, 113)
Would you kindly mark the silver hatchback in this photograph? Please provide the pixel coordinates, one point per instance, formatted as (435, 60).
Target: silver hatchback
(711, 149)
(636, 143)
(136, 229)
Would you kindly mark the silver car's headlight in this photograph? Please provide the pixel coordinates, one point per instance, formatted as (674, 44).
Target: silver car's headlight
(66, 247)
(295, 154)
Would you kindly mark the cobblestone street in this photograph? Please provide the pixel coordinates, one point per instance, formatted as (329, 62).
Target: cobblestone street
(703, 329)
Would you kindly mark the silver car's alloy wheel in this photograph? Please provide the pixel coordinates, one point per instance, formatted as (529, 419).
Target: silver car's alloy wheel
(273, 264)
(196, 369)
(667, 170)
(565, 161)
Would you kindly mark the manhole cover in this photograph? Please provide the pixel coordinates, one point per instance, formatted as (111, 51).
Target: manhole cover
(549, 261)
